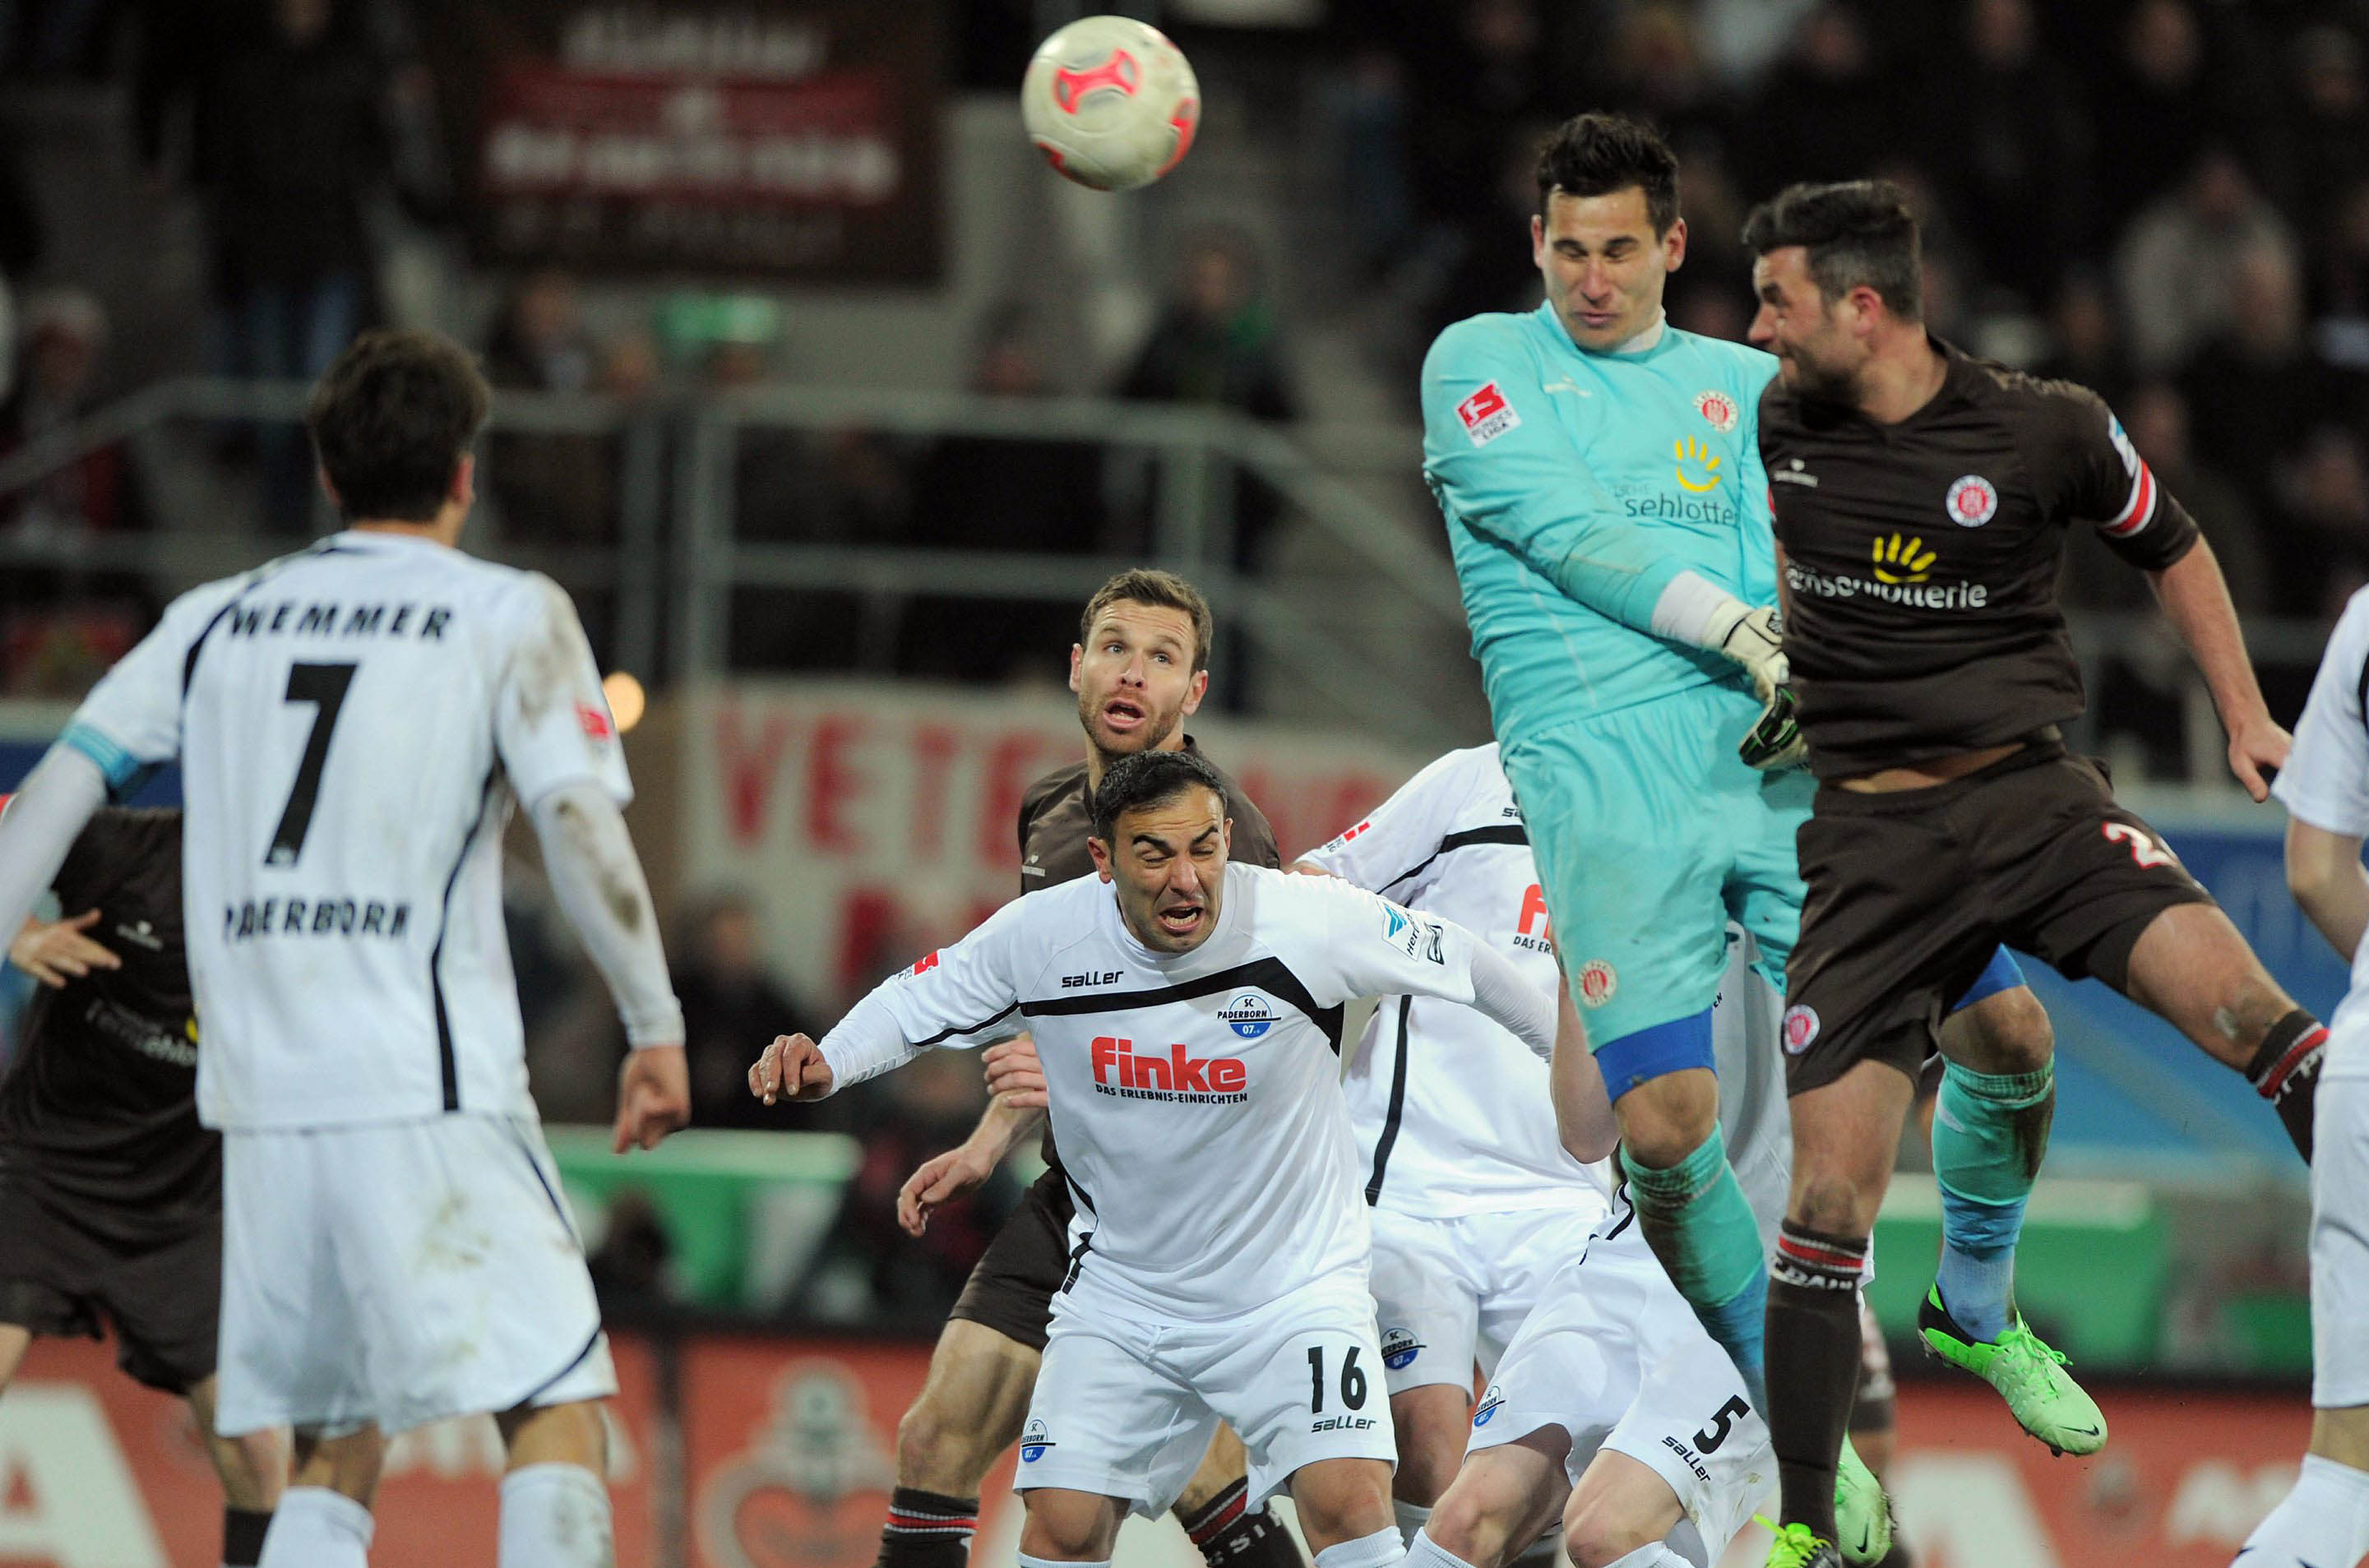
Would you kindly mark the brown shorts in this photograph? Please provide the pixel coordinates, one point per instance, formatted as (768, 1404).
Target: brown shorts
(1011, 1287)
(1908, 893)
(63, 1273)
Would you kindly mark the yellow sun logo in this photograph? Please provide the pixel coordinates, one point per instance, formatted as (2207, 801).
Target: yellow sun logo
(1909, 560)
(1687, 449)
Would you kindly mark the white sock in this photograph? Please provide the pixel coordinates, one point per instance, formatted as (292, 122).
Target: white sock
(1654, 1556)
(317, 1528)
(1425, 1552)
(1383, 1549)
(555, 1516)
(1028, 1562)
(1411, 1517)
(2324, 1520)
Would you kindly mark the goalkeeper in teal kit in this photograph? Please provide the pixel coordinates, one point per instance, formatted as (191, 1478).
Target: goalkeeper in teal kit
(1601, 480)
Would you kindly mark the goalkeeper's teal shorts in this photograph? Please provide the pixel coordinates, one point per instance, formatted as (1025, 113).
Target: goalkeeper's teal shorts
(1651, 835)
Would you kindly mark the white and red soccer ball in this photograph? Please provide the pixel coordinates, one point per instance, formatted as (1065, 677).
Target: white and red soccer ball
(1110, 102)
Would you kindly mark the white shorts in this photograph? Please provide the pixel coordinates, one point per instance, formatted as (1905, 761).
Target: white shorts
(1125, 1405)
(1616, 1358)
(400, 1273)
(2340, 1243)
(1450, 1292)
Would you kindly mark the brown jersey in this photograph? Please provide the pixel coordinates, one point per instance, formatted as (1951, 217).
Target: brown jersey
(1057, 813)
(1921, 558)
(99, 1111)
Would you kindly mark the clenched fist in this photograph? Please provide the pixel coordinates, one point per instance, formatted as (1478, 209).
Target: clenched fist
(791, 1068)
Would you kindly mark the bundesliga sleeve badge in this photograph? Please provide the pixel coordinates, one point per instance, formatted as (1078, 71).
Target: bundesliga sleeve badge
(1486, 414)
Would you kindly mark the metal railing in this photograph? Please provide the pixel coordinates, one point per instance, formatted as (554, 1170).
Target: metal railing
(678, 554)
(678, 557)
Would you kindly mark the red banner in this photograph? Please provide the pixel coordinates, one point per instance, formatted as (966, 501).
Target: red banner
(797, 138)
(789, 1450)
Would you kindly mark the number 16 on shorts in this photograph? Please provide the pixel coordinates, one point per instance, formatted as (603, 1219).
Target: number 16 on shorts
(1347, 1399)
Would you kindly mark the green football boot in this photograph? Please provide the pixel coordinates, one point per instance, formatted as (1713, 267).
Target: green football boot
(1795, 1546)
(1862, 1512)
(2028, 1374)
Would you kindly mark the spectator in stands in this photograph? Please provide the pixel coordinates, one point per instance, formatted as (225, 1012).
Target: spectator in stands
(1215, 344)
(2006, 137)
(2086, 338)
(63, 334)
(2260, 387)
(2323, 493)
(63, 627)
(2176, 263)
(1215, 341)
(1826, 113)
(1476, 69)
(996, 492)
(903, 1120)
(2156, 415)
(299, 145)
(549, 488)
(2327, 147)
(1487, 273)
(729, 997)
(2340, 293)
(1656, 74)
(2158, 110)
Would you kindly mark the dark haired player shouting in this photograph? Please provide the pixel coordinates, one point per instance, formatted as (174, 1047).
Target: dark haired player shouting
(1921, 501)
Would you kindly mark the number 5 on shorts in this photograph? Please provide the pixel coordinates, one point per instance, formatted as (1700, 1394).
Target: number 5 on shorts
(1352, 1381)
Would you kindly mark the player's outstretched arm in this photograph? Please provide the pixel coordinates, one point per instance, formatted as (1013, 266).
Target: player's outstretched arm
(2325, 873)
(959, 996)
(597, 879)
(43, 819)
(54, 952)
(2196, 600)
(1583, 1106)
(963, 1169)
(791, 1068)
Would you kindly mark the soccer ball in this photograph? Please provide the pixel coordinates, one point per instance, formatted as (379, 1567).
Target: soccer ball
(1110, 102)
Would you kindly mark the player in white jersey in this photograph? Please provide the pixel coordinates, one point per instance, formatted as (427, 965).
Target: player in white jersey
(1188, 1018)
(355, 724)
(2324, 1521)
(1483, 1211)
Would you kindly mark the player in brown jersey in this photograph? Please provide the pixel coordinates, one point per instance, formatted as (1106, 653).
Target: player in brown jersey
(111, 1193)
(1920, 500)
(1140, 668)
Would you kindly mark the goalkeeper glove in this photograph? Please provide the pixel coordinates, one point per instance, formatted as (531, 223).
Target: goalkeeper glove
(1775, 743)
(1754, 639)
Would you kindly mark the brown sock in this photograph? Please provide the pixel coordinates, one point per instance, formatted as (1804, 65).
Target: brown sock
(925, 1530)
(1231, 1535)
(2285, 1072)
(1814, 1351)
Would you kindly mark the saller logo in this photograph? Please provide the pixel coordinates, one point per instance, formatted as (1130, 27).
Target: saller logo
(1177, 1076)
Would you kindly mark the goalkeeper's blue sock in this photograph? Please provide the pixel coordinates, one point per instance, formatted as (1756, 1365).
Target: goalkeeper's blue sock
(1694, 1216)
(1990, 1132)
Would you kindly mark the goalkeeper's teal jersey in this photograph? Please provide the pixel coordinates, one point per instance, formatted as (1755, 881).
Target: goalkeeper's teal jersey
(1575, 485)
